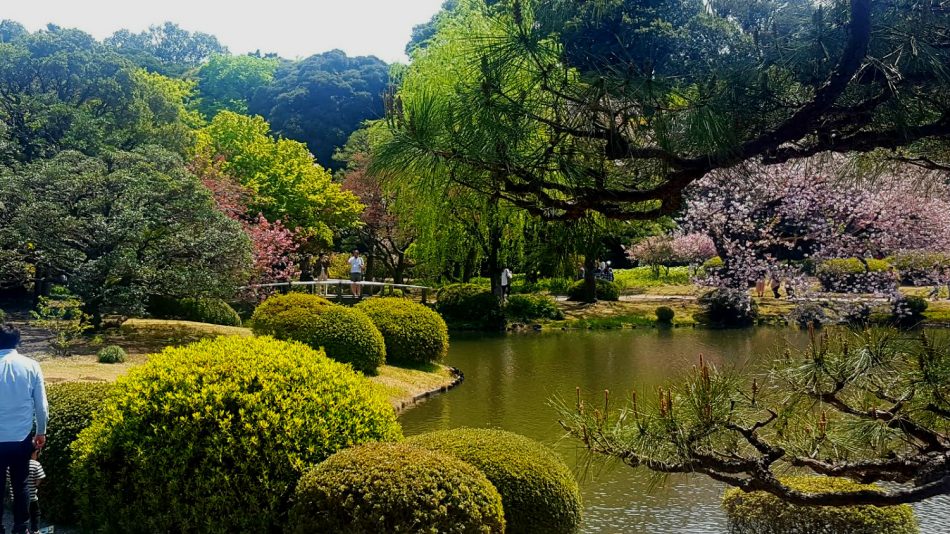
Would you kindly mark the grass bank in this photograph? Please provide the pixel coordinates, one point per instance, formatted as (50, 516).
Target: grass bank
(141, 337)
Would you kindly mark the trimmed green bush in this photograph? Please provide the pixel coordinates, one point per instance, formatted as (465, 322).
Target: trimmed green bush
(665, 315)
(469, 303)
(213, 436)
(759, 512)
(605, 291)
(849, 275)
(909, 309)
(538, 490)
(199, 310)
(71, 405)
(346, 334)
(395, 488)
(413, 333)
(526, 308)
(111, 354)
(919, 267)
(727, 307)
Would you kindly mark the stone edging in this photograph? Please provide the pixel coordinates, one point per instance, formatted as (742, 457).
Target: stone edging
(458, 378)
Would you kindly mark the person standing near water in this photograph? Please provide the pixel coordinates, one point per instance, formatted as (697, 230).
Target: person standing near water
(506, 277)
(22, 405)
(323, 264)
(357, 266)
(776, 284)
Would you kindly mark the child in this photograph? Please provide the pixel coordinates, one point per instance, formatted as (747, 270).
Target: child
(36, 476)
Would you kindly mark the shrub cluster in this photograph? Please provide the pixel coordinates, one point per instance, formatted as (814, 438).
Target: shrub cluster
(665, 315)
(727, 307)
(212, 437)
(538, 491)
(850, 275)
(199, 310)
(111, 354)
(909, 310)
(809, 314)
(395, 488)
(71, 405)
(919, 267)
(469, 304)
(413, 333)
(346, 334)
(526, 308)
(762, 513)
(605, 291)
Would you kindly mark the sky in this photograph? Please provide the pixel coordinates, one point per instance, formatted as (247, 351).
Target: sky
(291, 28)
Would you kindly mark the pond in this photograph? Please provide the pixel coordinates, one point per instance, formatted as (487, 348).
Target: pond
(510, 379)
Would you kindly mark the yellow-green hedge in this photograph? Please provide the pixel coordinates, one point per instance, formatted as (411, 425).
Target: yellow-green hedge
(380, 487)
(71, 405)
(538, 490)
(413, 333)
(346, 334)
(759, 512)
(213, 437)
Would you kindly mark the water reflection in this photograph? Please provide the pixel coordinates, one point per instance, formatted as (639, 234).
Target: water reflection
(511, 379)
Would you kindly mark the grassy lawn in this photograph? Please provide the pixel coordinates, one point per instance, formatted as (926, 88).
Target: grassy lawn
(140, 337)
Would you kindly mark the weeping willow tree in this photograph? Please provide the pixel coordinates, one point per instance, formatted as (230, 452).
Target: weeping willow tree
(873, 406)
(615, 106)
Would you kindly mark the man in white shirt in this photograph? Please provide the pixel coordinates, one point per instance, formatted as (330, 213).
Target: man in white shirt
(22, 404)
(357, 266)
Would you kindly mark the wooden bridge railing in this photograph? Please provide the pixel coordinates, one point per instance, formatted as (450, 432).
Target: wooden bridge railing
(339, 285)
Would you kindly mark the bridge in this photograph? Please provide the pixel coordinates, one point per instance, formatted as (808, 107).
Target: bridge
(369, 289)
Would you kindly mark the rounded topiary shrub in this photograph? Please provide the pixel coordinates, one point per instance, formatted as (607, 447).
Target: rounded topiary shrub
(199, 310)
(538, 490)
(413, 333)
(213, 436)
(909, 309)
(665, 315)
(727, 307)
(71, 405)
(111, 354)
(531, 308)
(395, 488)
(605, 291)
(759, 512)
(469, 303)
(852, 275)
(346, 334)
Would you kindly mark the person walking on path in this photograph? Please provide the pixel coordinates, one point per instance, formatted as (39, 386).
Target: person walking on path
(760, 287)
(776, 284)
(323, 264)
(506, 277)
(357, 267)
(22, 405)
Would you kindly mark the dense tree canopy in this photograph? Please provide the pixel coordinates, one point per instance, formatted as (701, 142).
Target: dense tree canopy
(168, 48)
(229, 82)
(285, 182)
(62, 90)
(323, 99)
(566, 107)
(118, 228)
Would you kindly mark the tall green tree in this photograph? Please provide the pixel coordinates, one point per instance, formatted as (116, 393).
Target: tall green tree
(323, 99)
(284, 181)
(228, 82)
(617, 106)
(167, 48)
(117, 229)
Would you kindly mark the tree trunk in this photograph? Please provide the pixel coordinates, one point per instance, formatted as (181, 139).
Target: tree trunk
(494, 248)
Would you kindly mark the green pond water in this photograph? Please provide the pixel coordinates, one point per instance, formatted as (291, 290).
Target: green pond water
(509, 380)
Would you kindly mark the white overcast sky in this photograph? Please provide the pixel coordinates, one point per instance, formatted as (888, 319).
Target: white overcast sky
(292, 28)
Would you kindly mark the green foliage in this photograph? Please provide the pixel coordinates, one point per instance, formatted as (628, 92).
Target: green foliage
(909, 310)
(228, 82)
(167, 48)
(526, 308)
(538, 490)
(644, 277)
(322, 99)
(199, 310)
(759, 512)
(852, 275)
(413, 332)
(809, 314)
(713, 263)
(470, 304)
(64, 318)
(122, 227)
(111, 354)
(212, 437)
(284, 181)
(395, 488)
(665, 314)
(605, 291)
(71, 405)
(346, 334)
(917, 267)
(727, 307)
